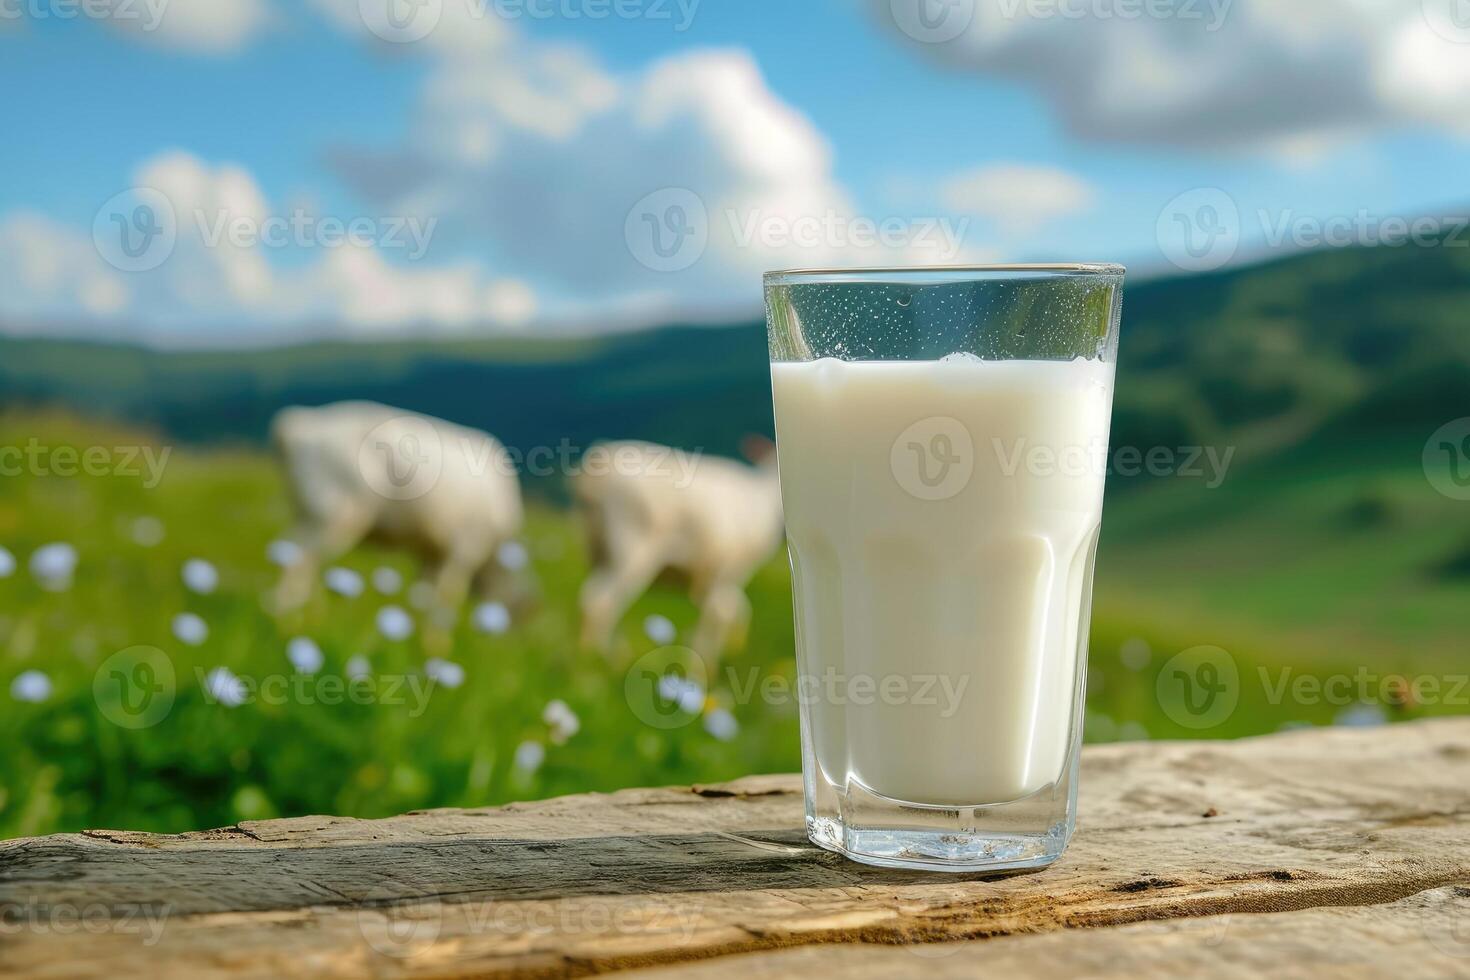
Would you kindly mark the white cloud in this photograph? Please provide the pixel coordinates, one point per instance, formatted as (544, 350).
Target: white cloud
(1019, 198)
(196, 26)
(205, 281)
(50, 272)
(1252, 73)
(367, 293)
(555, 174)
(568, 172)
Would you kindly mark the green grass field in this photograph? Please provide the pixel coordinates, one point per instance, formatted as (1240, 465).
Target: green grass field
(1303, 565)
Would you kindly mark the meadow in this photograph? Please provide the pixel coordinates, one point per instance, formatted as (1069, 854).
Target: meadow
(1304, 565)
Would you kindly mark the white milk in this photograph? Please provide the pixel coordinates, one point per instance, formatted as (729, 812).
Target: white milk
(942, 590)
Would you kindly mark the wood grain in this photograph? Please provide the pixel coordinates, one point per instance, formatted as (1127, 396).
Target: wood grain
(1304, 832)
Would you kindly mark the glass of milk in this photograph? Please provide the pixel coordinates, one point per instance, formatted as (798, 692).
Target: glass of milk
(942, 437)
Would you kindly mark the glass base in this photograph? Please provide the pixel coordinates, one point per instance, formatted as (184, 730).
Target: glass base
(1024, 834)
(939, 851)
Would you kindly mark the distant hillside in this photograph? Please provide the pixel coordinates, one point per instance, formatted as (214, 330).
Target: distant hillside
(1266, 357)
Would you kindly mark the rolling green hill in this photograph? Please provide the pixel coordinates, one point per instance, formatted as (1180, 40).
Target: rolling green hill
(1264, 358)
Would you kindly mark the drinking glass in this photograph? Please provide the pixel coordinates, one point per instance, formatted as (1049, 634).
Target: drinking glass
(942, 438)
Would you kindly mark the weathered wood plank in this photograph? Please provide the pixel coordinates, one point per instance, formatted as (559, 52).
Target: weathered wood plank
(1424, 935)
(1302, 821)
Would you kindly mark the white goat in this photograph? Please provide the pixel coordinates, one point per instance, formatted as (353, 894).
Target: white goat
(360, 470)
(649, 508)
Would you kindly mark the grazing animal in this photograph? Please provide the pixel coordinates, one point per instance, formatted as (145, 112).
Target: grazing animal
(649, 509)
(360, 470)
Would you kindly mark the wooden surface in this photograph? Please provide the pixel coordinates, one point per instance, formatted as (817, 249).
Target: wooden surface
(1343, 850)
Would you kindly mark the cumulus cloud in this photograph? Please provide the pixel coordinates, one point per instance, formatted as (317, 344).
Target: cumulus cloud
(1213, 73)
(1019, 198)
(670, 188)
(206, 257)
(48, 271)
(629, 196)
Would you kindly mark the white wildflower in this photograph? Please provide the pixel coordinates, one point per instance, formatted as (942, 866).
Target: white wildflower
(721, 724)
(222, 686)
(562, 719)
(304, 655)
(512, 555)
(31, 686)
(52, 565)
(394, 623)
(343, 581)
(444, 672)
(200, 576)
(529, 756)
(492, 617)
(283, 552)
(190, 629)
(659, 629)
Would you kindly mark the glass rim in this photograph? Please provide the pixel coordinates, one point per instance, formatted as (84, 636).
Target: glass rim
(946, 273)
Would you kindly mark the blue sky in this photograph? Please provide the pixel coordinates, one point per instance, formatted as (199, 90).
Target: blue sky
(520, 145)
